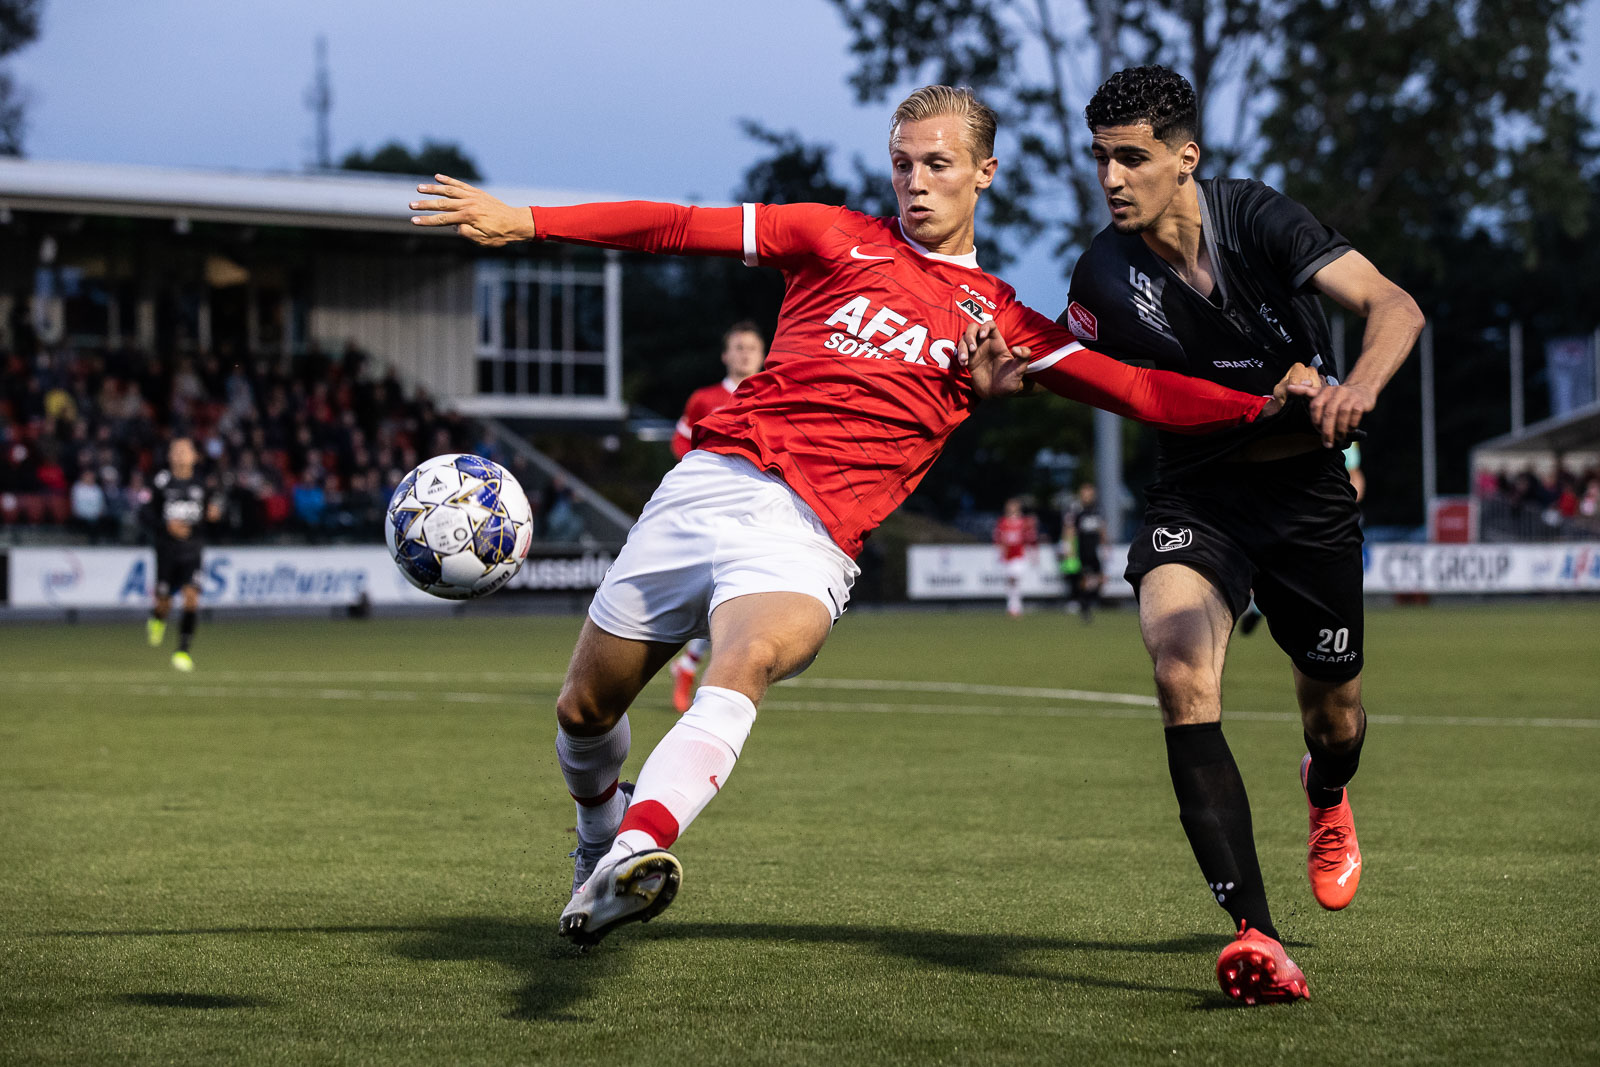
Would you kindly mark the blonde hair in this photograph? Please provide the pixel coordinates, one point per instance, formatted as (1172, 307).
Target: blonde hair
(931, 100)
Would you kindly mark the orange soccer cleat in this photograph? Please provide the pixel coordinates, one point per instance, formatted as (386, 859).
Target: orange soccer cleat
(1254, 969)
(682, 688)
(1333, 858)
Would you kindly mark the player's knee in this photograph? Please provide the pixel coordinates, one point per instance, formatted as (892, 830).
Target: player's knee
(581, 711)
(1185, 687)
(763, 657)
(1337, 722)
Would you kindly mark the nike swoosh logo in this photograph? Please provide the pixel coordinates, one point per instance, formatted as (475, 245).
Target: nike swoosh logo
(718, 788)
(1354, 863)
(856, 253)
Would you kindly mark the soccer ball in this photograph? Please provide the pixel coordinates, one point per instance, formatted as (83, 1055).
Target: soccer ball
(459, 526)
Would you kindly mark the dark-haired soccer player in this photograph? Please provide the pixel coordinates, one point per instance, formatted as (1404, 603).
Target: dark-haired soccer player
(752, 537)
(178, 505)
(1219, 278)
(744, 350)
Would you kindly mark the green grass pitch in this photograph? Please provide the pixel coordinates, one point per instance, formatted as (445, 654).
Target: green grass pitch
(952, 842)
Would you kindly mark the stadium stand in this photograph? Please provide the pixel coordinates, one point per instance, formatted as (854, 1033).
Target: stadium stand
(303, 448)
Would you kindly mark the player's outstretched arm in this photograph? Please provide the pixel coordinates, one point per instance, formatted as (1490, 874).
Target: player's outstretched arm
(475, 214)
(1393, 323)
(1170, 401)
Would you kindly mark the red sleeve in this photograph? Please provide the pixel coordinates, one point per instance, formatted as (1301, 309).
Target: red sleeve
(1170, 401)
(757, 233)
(646, 227)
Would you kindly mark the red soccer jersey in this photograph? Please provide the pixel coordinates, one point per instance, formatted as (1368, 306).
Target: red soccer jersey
(1016, 535)
(859, 395)
(702, 402)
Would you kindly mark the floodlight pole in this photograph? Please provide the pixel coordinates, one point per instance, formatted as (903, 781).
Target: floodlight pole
(1430, 455)
(1517, 409)
(1108, 427)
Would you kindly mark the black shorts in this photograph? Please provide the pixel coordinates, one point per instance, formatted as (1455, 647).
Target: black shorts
(1289, 529)
(177, 565)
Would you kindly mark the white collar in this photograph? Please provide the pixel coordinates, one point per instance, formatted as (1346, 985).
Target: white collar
(968, 259)
(729, 384)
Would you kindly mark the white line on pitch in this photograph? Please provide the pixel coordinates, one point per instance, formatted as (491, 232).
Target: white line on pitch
(542, 678)
(973, 689)
(1128, 713)
(456, 696)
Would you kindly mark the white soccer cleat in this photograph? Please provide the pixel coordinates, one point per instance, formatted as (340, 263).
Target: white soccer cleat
(636, 888)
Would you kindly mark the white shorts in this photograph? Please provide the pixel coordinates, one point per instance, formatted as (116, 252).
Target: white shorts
(1016, 569)
(717, 528)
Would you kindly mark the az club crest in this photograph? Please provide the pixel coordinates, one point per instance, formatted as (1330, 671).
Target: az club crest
(1169, 540)
(974, 310)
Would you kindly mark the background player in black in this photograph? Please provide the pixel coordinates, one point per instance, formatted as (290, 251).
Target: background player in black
(1081, 535)
(178, 505)
(1220, 278)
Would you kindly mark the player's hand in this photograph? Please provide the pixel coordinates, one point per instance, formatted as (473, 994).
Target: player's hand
(1338, 409)
(180, 530)
(1300, 380)
(475, 214)
(995, 367)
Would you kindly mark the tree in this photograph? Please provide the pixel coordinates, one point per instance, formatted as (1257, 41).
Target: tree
(1037, 62)
(434, 157)
(1444, 142)
(19, 26)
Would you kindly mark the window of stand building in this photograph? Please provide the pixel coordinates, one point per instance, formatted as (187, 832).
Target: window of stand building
(541, 330)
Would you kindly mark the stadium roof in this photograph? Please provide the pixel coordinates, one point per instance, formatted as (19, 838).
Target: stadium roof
(344, 200)
(1578, 430)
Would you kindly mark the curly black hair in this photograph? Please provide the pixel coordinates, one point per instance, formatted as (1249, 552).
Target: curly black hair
(1153, 95)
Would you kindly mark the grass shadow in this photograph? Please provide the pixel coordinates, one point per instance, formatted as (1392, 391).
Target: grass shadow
(198, 1001)
(557, 978)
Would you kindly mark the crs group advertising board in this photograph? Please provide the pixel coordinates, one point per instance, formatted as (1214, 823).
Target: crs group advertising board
(958, 572)
(82, 577)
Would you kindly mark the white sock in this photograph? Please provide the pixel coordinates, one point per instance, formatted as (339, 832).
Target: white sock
(591, 766)
(687, 769)
(1014, 601)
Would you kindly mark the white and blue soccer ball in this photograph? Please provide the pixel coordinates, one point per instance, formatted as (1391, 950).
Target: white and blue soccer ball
(458, 526)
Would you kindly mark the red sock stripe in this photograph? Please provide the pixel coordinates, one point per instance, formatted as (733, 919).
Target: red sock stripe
(653, 818)
(595, 802)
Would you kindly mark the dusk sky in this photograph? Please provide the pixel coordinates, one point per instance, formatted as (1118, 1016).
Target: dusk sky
(643, 101)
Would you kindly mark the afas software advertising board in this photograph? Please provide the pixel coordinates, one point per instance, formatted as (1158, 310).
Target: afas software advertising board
(84, 577)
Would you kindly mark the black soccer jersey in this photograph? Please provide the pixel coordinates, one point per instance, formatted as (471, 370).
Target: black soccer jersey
(1262, 317)
(177, 499)
(1090, 527)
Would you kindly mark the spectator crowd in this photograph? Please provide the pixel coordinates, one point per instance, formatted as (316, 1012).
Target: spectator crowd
(302, 448)
(1563, 499)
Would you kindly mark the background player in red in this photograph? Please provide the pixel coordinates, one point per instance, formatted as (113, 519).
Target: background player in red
(1016, 535)
(744, 350)
(752, 537)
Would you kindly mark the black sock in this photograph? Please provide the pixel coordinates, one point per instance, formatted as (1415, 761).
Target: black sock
(186, 631)
(1330, 771)
(1216, 816)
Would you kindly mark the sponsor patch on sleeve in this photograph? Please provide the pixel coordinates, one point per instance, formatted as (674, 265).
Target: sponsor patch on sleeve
(1081, 321)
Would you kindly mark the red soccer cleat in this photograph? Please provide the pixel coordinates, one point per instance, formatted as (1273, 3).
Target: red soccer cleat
(1333, 858)
(1256, 970)
(682, 688)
